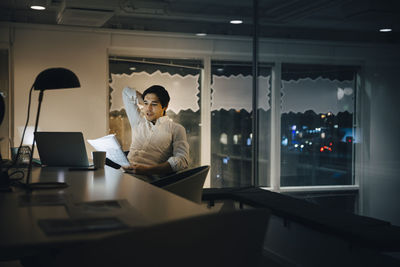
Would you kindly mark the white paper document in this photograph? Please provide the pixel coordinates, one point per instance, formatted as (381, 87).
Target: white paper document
(111, 146)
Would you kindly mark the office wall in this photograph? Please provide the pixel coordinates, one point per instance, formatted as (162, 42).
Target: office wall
(4, 37)
(381, 180)
(85, 52)
(4, 90)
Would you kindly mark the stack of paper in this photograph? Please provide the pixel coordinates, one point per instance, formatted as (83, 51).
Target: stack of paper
(110, 144)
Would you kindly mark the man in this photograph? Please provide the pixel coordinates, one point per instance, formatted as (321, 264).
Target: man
(159, 145)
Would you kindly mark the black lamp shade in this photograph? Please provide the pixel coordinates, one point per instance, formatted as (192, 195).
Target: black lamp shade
(56, 78)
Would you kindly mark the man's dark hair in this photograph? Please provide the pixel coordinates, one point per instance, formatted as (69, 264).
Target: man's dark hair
(160, 92)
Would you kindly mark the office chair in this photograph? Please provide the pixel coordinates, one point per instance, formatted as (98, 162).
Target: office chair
(212, 240)
(187, 183)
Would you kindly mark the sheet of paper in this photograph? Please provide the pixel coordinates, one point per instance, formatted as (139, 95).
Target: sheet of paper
(110, 144)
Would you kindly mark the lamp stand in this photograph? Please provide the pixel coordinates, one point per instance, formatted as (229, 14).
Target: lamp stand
(39, 185)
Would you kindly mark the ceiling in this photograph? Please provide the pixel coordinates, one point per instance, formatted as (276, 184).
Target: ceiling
(334, 20)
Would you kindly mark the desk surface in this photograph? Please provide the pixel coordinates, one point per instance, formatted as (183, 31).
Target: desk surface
(149, 205)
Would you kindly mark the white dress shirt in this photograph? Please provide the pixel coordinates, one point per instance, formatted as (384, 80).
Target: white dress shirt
(154, 143)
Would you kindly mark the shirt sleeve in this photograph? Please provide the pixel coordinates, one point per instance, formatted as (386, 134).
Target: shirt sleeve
(130, 99)
(180, 153)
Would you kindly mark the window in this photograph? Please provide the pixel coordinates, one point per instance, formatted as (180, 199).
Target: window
(317, 104)
(317, 129)
(181, 78)
(231, 123)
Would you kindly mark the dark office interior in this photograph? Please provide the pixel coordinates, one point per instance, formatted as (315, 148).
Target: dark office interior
(292, 105)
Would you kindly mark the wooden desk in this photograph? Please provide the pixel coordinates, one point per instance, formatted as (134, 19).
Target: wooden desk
(19, 231)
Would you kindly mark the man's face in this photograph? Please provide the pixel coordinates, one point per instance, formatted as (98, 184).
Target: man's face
(152, 108)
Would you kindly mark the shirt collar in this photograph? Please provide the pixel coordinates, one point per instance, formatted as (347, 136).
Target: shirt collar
(162, 120)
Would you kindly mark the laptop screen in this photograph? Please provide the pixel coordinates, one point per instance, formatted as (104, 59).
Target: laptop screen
(65, 149)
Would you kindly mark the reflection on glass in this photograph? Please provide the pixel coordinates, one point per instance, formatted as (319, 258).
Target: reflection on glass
(231, 124)
(317, 131)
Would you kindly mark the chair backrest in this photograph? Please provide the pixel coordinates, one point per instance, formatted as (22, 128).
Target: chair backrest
(188, 183)
(216, 239)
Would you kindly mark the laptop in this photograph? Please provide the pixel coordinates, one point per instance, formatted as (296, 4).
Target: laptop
(61, 149)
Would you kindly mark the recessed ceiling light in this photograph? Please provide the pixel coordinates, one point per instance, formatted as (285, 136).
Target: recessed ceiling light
(132, 68)
(38, 4)
(236, 21)
(385, 30)
(38, 7)
(201, 34)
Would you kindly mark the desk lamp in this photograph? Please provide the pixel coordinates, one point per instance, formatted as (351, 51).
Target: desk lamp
(49, 79)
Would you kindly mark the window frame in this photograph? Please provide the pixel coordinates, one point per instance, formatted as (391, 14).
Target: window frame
(358, 153)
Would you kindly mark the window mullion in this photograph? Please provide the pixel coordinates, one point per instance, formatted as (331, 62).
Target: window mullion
(275, 127)
(206, 117)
